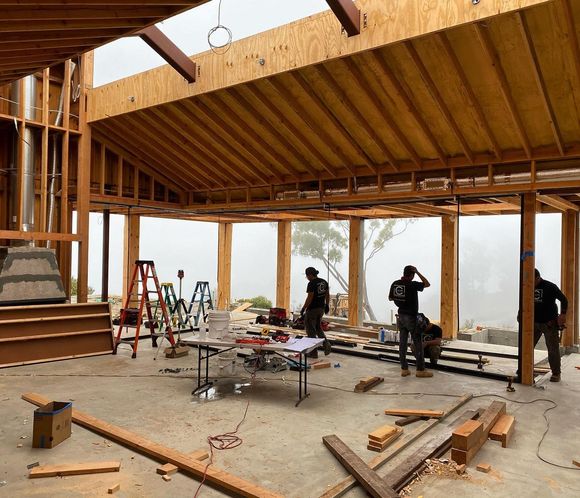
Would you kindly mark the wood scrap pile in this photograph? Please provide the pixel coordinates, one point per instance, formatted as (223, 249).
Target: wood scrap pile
(382, 437)
(439, 467)
(472, 435)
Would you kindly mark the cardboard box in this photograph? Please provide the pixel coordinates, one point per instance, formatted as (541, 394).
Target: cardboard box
(52, 424)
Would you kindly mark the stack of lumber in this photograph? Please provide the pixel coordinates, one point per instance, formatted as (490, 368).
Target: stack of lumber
(33, 334)
(503, 430)
(382, 437)
(467, 439)
(367, 383)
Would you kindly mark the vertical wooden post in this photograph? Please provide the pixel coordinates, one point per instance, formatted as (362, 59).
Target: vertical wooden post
(284, 261)
(84, 179)
(527, 279)
(44, 151)
(130, 249)
(449, 312)
(355, 272)
(224, 270)
(106, 250)
(569, 269)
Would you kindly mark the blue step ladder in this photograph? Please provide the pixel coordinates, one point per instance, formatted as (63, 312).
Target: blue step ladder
(201, 297)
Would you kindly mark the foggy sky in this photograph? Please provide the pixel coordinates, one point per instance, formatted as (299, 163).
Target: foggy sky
(489, 246)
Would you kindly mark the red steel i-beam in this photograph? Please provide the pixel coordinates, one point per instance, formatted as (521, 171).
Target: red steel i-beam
(157, 40)
(348, 14)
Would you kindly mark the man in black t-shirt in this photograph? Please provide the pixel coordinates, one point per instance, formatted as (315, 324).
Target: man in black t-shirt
(404, 293)
(548, 322)
(317, 303)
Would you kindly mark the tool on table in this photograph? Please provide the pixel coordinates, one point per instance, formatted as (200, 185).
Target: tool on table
(143, 273)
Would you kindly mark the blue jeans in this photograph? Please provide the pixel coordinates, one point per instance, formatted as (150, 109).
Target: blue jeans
(408, 325)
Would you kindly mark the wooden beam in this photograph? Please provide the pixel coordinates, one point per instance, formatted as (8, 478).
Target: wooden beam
(159, 42)
(539, 77)
(356, 272)
(348, 14)
(131, 237)
(558, 202)
(449, 245)
(306, 42)
(569, 267)
(224, 270)
(58, 237)
(527, 278)
(74, 469)
(367, 477)
(213, 475)
(84, 178)
(473, 100)
(284, 260)
(44, 150)
(105, 255)
(482, 33)
(441, 105)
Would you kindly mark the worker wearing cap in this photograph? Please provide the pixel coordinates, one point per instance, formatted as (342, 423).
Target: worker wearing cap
(315, 306)
(405, 294)
(547, 321)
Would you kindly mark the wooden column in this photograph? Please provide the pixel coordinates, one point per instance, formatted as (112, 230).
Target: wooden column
(130, 249)
(355, 272)
(224, 270)
(284, 265)
(106, 250)
(84, 179)
(527, 277)
(449, 311)
(569, 273)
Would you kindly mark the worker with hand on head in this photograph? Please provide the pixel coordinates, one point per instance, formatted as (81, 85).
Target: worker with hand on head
(547, 321)
(317, 303)
(404, 293)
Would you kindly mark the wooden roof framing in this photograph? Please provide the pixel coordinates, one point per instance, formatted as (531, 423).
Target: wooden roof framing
(410, 94)
(35, 34)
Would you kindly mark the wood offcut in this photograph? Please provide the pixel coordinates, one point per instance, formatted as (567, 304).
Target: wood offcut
(74, 469)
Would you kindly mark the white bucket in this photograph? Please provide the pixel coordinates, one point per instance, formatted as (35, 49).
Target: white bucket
(218, 322)
(227, 362)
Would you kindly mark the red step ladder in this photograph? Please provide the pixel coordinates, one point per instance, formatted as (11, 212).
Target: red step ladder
(143, 273)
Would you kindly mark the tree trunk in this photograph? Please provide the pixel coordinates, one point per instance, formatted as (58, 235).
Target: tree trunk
(366, 305)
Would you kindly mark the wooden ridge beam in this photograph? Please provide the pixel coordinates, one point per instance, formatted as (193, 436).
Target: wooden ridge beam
(348, 14)
(185, 462)
(159, 42)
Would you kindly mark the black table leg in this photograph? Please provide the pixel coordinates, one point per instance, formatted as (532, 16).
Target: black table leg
(207, 384)
(303, 364)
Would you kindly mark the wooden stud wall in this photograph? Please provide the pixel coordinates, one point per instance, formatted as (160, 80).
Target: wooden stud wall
(130, 250)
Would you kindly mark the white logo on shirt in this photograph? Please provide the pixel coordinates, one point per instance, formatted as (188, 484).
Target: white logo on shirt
(399, 291)
(539, 295)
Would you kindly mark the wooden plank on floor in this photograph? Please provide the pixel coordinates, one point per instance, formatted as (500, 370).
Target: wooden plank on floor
(350, 482)
(417, 413)
(382, 433)
(169, 468)
(398, 477)
(219, 478)
(381, 446)
(402, 422)
(74, 469)
(366, 476)
(367, 384)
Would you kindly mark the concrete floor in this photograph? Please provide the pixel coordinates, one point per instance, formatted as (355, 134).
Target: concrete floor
(282, 447)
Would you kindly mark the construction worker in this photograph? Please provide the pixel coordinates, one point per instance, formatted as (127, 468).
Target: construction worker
(431, 336)
(404, 293)
(548, 322)
(317, 303)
